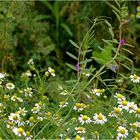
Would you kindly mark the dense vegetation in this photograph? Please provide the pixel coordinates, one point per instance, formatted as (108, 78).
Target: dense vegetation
(69, 70)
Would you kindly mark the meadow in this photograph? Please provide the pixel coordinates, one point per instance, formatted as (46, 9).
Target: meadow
(70, 70)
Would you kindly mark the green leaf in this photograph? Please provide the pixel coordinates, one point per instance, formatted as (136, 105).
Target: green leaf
(85, 61)
(71, 66)
(72, 56)
(104, 56)
(74, 44)
(67, 29)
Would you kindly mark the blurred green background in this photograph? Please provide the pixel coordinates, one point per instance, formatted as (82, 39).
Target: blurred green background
(42, 29)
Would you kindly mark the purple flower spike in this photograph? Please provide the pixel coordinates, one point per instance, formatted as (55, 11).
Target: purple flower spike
(77, 67)
(122, 42)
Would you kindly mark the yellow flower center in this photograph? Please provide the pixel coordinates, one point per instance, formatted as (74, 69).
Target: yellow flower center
(79, 105)
(117, 110)
(35, 109)
(124, 103)
(100, 90)
(31, 119)
(78, 137)
(119, 96)
(100, 117)
(137, 135)
(122, 131)
(138, 111)
(85, 117)
(80, 129)
(134, 126)
(27, 133)
(135, 77)
(20, 130)
(15, 117)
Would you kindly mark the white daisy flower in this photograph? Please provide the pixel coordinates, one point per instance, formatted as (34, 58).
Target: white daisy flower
(35, 110)
(134, 78)
(2, 75)
(30, 62)
(84, 119)
(132, 107)
(39, 105)
(28, 136)
(123, 104)
(16, 99)
(115, 112)
(99, 118)
(19, 131)
(10, 86)
(79, 107)
(28, 92)
(31, 121)
(119, 96)
(122, 132)
(22, 111)
(134, 126)
(138, 112)
(97, 92)
(51, 71)
(15, 117)
(28, 73)
(10, 124)
(63, 104)
(80, 130)
(40, 118)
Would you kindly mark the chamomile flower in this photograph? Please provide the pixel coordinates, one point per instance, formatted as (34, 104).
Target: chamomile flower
(134, 78)
(15, 117)
(117, 111)
(123, 104)
(10, 124)
(138, 15)
(31, 121)
(19, 131)
(30, 62)
(138, 112)
(40, 118)
(122, 132)
(16, 99)
(133, 127)
(10, 86)
(138, 8)
(22, 111)
(79, 138)
(2, 75)
(28, 136)
(28, 73)
(80, 130)
(28, 92)
(79, 107)
(84, 119)
(119, 96)
(137, 135)
(132, 107)
(35, 110)
(39, 105)
(51, 71)
(63, 104)
(99, 118)
(97, 92)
